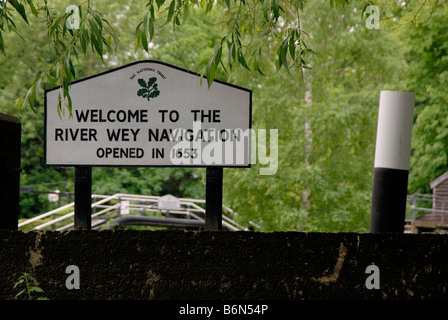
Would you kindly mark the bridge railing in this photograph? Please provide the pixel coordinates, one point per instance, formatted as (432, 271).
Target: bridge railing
(106, 209)
(420, 204)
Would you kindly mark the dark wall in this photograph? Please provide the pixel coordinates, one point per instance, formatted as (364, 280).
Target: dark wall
(225, 265)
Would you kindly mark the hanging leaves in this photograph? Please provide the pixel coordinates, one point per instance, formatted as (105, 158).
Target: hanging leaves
(7, 9)
(93, 31)
(277, 21)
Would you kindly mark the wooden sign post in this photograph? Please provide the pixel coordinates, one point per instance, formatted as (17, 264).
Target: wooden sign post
(83, 198)
(213, 199)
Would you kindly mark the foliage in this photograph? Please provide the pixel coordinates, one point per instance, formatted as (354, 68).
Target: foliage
(326, 144)
(30, 289)
(93, 30)
(250, 29)
(17, 71)
(315, 71)
(240, 24)
(428, 76)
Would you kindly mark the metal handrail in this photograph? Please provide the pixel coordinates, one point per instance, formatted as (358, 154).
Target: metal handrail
(71, 225)
(44, 215)
(426, 198)
(191, 208)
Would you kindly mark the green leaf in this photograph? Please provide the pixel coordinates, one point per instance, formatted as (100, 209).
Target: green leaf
(151, 28)
(152, 12)
(231, 56)
(37, 87)
(21, 292)
(145, 22)
(171, 11)
(210, 72)
(94, 28)
(18, 103)
(265, 10)
(242, 60)
(186, 10)
(281, 56)
(2, 46)
(275, 9)
(217, 50)
(137, 41)
(29, 96)
(278, 60)
(54, 26)
(32, 7)
(35, 289)
(98, 46)
(79, 7)
(144, 42)
(83, 37)
(160, 3)
(20, 9)
(363, 10)
(59, 107)
(66, 66)
(209, 7)
(292, 46)
(69, 105)
(20, 281)
(97, 19)
(137, 28)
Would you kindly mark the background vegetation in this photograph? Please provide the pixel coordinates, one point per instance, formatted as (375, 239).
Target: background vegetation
(324, 104)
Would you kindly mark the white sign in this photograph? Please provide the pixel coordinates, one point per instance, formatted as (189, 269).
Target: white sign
(168, 202)
(54, 197)
(149, 113)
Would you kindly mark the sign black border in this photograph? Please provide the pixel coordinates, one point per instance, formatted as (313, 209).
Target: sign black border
(249, 165)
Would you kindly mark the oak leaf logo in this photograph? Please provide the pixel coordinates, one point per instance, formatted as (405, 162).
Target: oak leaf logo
(149, 89)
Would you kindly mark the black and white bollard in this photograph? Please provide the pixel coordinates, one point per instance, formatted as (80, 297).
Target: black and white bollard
(392, 155)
